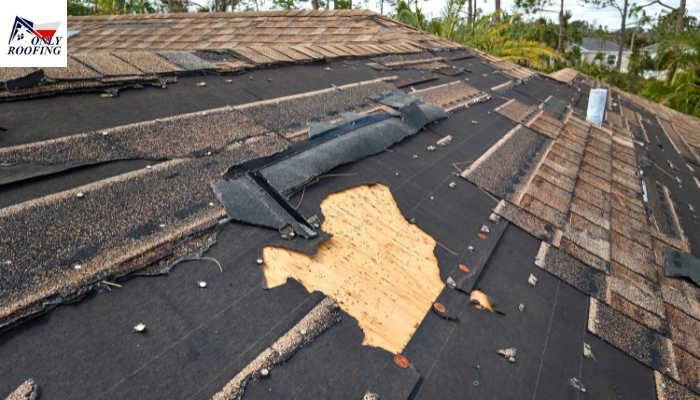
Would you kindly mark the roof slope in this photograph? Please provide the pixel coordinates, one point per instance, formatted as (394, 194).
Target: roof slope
(598, 44)
(375, 160)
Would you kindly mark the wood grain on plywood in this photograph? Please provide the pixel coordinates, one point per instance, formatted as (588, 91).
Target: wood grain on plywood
(378, 267)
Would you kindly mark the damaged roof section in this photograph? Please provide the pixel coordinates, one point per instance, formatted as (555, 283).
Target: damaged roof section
(75, 239)
(378, 267)
(258, 193)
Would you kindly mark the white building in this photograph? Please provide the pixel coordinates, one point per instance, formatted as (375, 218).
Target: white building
(592, 46)
(653, 51)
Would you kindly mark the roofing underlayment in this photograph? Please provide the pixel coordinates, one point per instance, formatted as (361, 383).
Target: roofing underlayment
(331, 204)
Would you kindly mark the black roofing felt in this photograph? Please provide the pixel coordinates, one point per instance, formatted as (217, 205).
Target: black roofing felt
(196, 340)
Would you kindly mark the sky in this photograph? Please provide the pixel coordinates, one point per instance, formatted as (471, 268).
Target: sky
(609, 16)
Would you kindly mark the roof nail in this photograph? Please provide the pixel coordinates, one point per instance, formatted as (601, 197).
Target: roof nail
(80, 194)
(264, 371)
(521, 307)
(140, 328)
(78, 267)
(470, 248)
(259, 261)
(202, 284)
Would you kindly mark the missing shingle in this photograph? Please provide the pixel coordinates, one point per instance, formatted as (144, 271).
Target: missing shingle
(387, 281)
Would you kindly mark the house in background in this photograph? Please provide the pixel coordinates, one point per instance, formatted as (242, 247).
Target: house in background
(653, 50)
(590, 47)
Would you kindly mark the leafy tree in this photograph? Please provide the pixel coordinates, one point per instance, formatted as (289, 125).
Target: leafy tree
(110, 7)
(536, 6)
(78, 7)
(679, 12)
(491, 36)
(405, 15)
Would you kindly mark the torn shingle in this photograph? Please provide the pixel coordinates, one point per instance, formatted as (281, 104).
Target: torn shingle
(640, 315)
(75, 70)
(245, 201)
(556, 178)
(588, 236)
(550, 194)
(678, 264)
(543, 211)
(289, 174)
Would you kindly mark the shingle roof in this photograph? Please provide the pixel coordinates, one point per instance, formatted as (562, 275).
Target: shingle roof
(353, 168)
(598, 44)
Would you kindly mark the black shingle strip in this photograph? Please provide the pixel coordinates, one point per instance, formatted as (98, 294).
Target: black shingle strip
(678, 264)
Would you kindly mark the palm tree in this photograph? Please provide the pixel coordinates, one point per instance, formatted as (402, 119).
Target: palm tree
(405, 15)
(680, 56)
(491, 36)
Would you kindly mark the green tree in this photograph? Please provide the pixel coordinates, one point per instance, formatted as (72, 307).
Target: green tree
(405, 15)
(491, 36)
(536, 6)
(78, 7)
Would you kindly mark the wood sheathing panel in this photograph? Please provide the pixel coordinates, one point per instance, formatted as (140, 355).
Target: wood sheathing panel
(378, 267)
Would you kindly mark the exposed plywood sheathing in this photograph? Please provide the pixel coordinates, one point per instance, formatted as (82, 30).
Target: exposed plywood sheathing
(379, 268)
